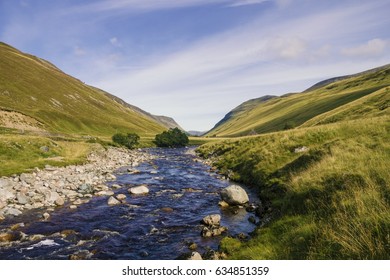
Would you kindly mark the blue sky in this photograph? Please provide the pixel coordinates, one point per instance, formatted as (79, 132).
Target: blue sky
(195, 60)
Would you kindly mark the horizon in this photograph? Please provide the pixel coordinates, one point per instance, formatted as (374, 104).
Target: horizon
(196, 60)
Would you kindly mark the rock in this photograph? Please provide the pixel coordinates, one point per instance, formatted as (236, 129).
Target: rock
(51, 197)
(85, 188)
(6, 194)
(22, 199)
(167, 209)
(153, 172)
(4, 183)
(6, 237)
(143, 189)
(110, 177)
(45, 149)
(81, 255)
(223, 204)
(46, 216)
(2, 218)
(73, 207)
(177, 195)
(301, 149)
(2, 204)
(59, 201)
(192, 246)
(213, 231)
(252, 219)
(212, 220)
(116, 186)
(27, 178)
(234, 195)
(113, 201)
(13, 212)
(133, 171)
(195, 256)
(121, 197)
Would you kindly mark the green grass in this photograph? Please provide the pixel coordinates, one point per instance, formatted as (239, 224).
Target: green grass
(330, 202)
(22, 153)
(293, 110)
(63, 104)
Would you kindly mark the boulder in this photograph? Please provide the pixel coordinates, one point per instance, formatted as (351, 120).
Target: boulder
(59, 201)
(195, 256)
(143, 189)
(121, 197)
(13, 212)
(51, 197)
(113, 201)
(212, 220)
(4, 183)
(85, 188)
(27, 178)
(234, 195)
(6, 194)
(213, 231)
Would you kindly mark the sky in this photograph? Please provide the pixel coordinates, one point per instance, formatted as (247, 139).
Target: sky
(195, 60)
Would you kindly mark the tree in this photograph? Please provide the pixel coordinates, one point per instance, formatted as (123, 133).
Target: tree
(171, 138)
(128, 140)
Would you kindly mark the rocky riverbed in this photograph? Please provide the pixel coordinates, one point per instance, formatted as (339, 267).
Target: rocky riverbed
(55, 186)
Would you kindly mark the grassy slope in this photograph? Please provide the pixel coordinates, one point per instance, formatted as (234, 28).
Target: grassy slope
(36, 88)
(296, 109)
(331, 202)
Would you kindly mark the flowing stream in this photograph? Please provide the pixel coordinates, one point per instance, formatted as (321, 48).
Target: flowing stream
(159, 225)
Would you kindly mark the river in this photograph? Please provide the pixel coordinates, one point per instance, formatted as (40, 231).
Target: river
(159, 225)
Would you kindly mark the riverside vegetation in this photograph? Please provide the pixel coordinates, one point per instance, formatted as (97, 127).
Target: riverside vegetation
(324, 185)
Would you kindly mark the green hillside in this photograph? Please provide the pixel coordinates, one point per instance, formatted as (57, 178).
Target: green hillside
(292, 110)
(58, 103)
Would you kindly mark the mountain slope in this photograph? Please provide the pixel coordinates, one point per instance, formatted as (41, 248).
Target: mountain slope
(293, 110)
(60, 103)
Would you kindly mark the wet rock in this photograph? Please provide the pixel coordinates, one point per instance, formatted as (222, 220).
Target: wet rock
(195, 256)
(167, 209)
(110, 177)
(6, 237)
(116, 186)
(81, 255)
(85, 188)
(223, 204)
(2, 218)
(177, 195)
(46, 216)
(144, 254)
(192, 246)
(17, 226)
(121, 197)
(12, 212)
(234, 195)
(213, 231)
(143, 189)
(191, 190)
(133, 171)
(73, 207)
(252, 220)
(153, 172)
(113, 201)
(212, 220)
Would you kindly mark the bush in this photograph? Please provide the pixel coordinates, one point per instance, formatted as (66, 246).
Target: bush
(128, 140)
(171, 139)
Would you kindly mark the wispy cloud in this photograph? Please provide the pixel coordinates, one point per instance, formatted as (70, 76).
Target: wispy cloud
(373, 47)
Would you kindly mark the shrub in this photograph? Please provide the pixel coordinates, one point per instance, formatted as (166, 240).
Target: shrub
(129, 140)
(172, 138)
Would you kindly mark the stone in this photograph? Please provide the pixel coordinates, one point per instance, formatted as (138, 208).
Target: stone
(6, 237)
(59, 201)
(195, 256)
(2, 218)
(13, 212)
(121, 197)
(301, 149)
(213, 231)
(234, 195)
(113, 201)
(46, 216)
(51, 197)
(116, 186)
(167, 209)
(252, 219)
(223, 204)
(73, 207)
(4, 183)
(85, 188)
(27, 178)
(6, 194)
(177, 195)
(45, 149)
(2, 204)
(22, 199)
(212, 220)
(192, 246)
(143, 189)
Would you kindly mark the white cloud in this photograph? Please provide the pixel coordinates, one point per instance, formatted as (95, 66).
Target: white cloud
(78, 51)
(373, 47)
(239, 3)
(115, 42)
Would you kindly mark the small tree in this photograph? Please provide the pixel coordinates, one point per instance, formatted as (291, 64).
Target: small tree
(128, 140)
(172, 138)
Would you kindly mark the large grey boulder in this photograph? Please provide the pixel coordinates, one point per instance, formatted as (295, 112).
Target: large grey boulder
(234, 195)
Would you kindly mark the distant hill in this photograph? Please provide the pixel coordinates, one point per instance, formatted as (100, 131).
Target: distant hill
(269, 113)
(45, 98)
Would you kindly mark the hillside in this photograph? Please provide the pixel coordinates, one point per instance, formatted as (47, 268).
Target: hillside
(45, 98)
(293, 110)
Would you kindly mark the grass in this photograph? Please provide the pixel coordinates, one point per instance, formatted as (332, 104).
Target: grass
(293, 110)
(330, 202)
(63, 104)
(22, 153)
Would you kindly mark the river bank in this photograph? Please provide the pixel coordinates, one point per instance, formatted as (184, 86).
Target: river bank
(54, 186)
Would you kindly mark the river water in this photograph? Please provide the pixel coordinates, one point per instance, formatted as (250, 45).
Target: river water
(159, 225)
